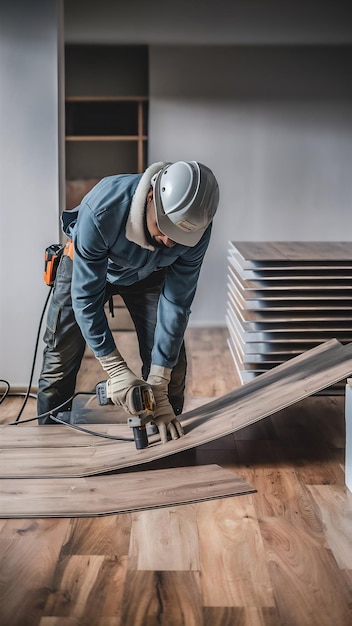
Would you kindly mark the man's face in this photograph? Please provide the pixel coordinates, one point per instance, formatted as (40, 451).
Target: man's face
(159, 239)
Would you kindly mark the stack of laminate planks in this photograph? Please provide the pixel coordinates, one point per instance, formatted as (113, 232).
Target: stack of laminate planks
(285, 298)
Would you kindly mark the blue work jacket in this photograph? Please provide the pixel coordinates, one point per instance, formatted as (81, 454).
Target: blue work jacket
(103, 253)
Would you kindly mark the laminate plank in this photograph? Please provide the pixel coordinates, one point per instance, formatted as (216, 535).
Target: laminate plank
(75, 580)
(236, 545)
(314, 291)
(310, 456)
(234, 616)
(223, 616)
(289, 269)
(104, 601)
(290, 334)
(313, 420)
(108, 535)
(277, 317)
(29, 551)
(260, 430)
(277, 388)
(254, 251)
(36, 462)
(282, 301)
(335, 508)
(163, 598)
(66, 621)
(346, 576)
(207, 361)
(302, 576)
(315, 250)
(121, 493)
(298, 304)
(159, 537)
(282, 495)
(23, 436)
(272, 348)
(301, 282)
(323, 468)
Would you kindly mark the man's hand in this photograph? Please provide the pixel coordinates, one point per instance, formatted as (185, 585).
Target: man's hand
(122, 381)
(164, 417)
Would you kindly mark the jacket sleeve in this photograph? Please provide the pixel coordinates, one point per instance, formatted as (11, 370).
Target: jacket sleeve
(88, 283)
(175, 303)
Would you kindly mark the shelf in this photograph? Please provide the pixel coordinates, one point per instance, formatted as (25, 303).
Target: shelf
(106, 138)
(108, 119)
(106, 99)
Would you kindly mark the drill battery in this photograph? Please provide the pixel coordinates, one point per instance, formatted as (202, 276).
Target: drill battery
(52, 257)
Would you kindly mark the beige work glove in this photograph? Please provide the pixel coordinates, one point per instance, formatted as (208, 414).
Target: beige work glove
(122, 381)
(164, 417)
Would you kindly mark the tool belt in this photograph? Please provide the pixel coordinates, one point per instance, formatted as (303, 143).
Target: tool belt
(52, 258)
(53, 255)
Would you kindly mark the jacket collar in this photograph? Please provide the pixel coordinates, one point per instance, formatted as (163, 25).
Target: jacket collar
(135, 222)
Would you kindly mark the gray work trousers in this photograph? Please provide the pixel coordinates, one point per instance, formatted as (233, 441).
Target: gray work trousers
(65, 344)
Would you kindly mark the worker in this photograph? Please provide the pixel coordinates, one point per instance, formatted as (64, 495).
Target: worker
(143, 236)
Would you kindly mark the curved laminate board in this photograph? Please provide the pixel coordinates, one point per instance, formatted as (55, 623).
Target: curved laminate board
(267, 394)
(118, 493)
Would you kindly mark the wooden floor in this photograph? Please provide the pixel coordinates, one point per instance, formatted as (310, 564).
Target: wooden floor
(278, 557)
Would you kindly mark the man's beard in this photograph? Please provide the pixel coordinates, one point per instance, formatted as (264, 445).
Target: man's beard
(151, 240)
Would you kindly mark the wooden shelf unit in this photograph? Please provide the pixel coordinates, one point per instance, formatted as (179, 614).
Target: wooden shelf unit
(108, 119)
(106, 123)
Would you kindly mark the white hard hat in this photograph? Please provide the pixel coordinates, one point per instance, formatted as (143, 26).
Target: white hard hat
(186, 197)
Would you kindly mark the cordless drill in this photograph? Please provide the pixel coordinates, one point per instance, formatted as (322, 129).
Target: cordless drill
(143, 405)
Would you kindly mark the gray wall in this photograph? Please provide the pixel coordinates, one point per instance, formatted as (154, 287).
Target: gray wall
(259, 89)
(275, 124)
(29, 174)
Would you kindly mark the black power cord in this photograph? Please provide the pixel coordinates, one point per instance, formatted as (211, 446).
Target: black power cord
(56, 408)
(35, 356)
(74, 426)
(28, 394)
(7, 390)
(89, 432)
(18, 394)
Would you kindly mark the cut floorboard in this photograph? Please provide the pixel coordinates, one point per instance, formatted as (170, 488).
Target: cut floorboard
(274, 390)
(119, 493)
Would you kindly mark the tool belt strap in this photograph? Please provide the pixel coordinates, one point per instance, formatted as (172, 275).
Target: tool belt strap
(68, 249)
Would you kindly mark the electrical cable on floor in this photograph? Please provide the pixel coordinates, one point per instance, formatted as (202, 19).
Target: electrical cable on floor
(18, 394)
(74, 426)
(6, 392)
(56, 408)
(35, 355)
(28, 394)
(89, 432)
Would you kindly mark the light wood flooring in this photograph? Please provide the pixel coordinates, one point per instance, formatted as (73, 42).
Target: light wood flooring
(278, 557)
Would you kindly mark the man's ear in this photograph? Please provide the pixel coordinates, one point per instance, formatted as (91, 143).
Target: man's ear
(150, 195)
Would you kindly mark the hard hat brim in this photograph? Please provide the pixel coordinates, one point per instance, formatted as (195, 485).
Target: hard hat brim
(176, 233)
